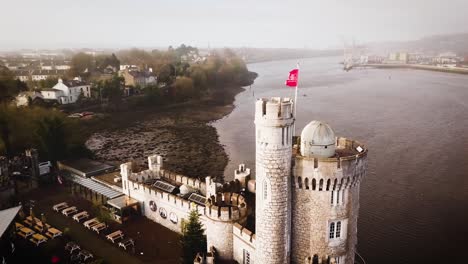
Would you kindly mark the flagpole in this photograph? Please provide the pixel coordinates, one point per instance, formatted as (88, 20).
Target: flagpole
(295, 100)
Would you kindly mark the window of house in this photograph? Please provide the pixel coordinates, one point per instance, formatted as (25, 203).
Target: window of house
(246, 257)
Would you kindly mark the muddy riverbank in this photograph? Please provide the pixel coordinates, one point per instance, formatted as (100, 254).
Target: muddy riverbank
(182, 134)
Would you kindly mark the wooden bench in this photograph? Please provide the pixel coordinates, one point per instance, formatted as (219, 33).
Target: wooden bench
(70, 210)
(90, 223)
(80, 216)
(53, 233)
(115, 235)
(99, 227)
(60, 206)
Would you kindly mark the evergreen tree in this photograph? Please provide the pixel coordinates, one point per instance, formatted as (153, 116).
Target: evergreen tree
(193, 239)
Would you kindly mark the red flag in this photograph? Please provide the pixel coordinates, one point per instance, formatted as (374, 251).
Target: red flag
(293, 78)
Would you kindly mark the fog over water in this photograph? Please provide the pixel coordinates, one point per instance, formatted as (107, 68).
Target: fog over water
(415, 124)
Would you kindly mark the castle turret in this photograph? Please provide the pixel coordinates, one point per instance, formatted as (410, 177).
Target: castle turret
(325, 198)
(222, 211)
(274, 129)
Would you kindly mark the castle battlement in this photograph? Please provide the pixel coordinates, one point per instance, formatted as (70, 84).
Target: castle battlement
(342, 171)
(181, 179)
(275, 108)
(226, 206)
(243, 233)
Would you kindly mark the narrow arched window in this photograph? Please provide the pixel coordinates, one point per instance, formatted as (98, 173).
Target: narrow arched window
(306, 183)
(265, 190)
(314, 183)
(331, 199)
(320, 184)
(328, 184)
(299, 182)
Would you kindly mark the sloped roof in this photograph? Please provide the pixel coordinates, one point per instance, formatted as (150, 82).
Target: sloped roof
(6, 217)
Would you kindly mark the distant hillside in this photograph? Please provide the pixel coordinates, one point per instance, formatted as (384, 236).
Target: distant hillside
(263, 54)
(457, 43)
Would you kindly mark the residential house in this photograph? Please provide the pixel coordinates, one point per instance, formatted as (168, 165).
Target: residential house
(72, 90)
(38, 75)
(23, 98)
(67, 92)
(23, 75)
(138, 78)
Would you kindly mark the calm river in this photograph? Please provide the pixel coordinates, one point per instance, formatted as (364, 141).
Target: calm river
(414, 201)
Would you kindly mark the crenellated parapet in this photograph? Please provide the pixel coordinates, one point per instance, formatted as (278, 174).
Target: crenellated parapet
(342, 171)
(226, 207)
(274, 112)
(245, 234)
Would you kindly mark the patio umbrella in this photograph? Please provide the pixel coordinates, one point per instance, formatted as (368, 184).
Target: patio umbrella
(21, 213)
(31, 213)
(43, 220)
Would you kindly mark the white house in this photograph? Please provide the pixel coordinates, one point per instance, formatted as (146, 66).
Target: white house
(71, 90)
(54, 94)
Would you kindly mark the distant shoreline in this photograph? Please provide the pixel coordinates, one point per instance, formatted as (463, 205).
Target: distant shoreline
(417, 67)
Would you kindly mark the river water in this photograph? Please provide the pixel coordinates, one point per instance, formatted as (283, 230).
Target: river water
(414, 201)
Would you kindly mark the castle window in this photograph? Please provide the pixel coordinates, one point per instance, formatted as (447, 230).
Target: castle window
(321, 184)
(332, 230)
(314, 183)
(299, 182)
(338, 229)
(282, 135)
(337, 197)
(246, 257)
(331, 200)
(307, 183)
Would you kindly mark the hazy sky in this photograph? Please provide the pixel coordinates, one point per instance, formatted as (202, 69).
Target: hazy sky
(219, 23)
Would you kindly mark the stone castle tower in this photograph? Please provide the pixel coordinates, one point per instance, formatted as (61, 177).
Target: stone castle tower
(307, 192)
(274, 128)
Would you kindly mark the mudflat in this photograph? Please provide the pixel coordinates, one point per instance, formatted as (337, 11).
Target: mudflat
(181, 133)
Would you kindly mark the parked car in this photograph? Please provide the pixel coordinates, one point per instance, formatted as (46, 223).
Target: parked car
(75, 115)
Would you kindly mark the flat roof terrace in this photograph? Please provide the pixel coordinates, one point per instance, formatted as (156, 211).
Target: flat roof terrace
(85, 167)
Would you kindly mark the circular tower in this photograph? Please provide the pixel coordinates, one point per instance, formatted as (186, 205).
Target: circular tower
(325, 196)
(222, 211)
(274, 128)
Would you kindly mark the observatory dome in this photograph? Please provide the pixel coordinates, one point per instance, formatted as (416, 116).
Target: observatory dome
(318, 140)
